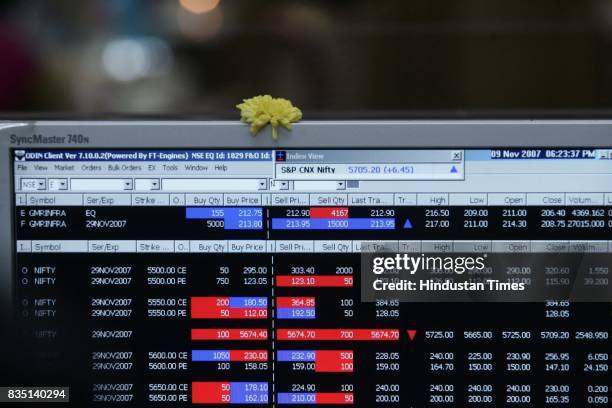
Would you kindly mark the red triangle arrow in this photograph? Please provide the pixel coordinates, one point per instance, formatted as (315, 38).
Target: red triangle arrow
(411, 334)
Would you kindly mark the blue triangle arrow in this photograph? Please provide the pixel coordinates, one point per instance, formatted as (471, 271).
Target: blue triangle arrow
(407, 224)
(453, 169)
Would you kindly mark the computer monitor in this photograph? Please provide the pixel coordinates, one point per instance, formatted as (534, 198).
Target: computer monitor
(180, 263)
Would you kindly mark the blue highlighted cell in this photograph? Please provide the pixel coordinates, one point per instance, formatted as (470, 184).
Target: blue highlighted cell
(205, 213)
(234, 218)
(296, 355)
(249, 392)
(248, 302)
(297, 398)
(333, 223)
(295, 313)
(210, 355)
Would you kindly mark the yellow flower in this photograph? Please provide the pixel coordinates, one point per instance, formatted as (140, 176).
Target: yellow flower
(261, 110)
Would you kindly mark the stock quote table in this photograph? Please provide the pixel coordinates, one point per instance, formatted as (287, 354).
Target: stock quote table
(135, 291)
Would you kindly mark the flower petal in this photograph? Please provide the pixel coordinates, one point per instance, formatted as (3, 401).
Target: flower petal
(263, 109)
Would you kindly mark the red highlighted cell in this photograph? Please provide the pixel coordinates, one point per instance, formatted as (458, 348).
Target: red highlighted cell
(329, 212)
(338, 334)
(320, 281)
(249, 355)
(229, 334)
(210, 392)
(334, 397)
(218, 308)
(295, 302)
(230, 313)
(211, 302)
(334, 361)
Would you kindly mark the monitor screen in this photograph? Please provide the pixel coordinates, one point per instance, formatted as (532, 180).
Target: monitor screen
(169, 264)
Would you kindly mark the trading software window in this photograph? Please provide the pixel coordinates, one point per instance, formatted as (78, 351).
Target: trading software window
(176, 276)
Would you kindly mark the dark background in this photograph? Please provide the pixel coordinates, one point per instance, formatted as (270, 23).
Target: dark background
(352, 58)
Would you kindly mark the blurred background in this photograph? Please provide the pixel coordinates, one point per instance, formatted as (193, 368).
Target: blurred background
(355, 58)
